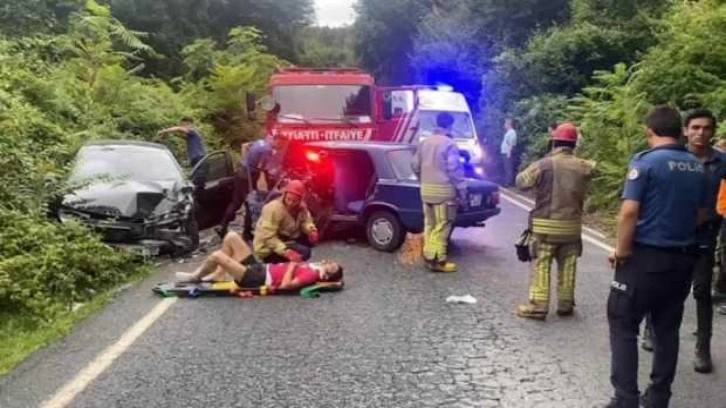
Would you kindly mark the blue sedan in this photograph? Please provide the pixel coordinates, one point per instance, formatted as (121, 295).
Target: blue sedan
(374, 186)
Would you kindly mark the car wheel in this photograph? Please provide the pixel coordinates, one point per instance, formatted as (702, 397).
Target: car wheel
(384, 231)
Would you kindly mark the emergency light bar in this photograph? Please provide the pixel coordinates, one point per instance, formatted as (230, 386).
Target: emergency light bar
(298, 70)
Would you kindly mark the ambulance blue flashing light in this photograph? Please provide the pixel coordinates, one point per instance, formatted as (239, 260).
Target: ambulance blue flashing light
(444, 88)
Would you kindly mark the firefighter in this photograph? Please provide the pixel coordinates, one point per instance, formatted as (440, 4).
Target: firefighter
(285, 231)
(438, 166)
(560, 182)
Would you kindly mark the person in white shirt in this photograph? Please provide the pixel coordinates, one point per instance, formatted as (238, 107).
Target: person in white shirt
(509, 142)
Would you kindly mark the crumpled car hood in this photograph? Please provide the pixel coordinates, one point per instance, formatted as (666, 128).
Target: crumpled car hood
(128, 199)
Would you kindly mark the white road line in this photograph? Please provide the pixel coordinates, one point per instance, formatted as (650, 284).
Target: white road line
(528, 200)
(594, 241)
(70, 390)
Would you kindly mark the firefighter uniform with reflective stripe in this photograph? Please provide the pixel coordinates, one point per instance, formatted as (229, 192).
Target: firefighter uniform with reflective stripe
(560, 182)
(437, 162)
(277, 227)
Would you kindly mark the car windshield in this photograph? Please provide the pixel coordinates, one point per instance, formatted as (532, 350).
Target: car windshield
(462, 128)
(401, 162)
(149, 164)
(323, 103)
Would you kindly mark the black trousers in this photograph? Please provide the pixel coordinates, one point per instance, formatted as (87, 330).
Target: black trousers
(655, 281)
(241, 189)
(301, 245)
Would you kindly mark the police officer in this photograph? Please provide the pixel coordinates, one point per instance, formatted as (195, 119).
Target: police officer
(437, 163)
(560, 181)
(700, 125)
(663, 201)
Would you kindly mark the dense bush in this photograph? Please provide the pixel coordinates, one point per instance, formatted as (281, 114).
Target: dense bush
(57, 92)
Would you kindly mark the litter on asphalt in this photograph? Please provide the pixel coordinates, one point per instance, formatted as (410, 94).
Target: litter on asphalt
(469, 299)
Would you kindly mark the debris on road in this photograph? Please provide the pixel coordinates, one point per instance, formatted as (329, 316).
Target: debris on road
(469, 299)
(411, 251)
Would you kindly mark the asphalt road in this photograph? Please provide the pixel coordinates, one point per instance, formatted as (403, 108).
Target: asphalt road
(388, 340)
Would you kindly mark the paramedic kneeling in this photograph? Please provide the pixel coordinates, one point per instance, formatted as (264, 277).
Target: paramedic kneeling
(235, 260)
(285, 230)
(663, 201)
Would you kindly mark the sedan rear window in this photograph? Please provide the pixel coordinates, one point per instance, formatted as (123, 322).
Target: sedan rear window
(401, 162)
(126, 162)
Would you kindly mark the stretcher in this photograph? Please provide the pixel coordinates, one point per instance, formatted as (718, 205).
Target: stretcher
(230, 288)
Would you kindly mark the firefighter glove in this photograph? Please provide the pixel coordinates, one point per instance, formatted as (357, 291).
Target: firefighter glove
(313, 236)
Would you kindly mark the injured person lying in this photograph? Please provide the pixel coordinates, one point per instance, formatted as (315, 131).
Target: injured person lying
(235, 260)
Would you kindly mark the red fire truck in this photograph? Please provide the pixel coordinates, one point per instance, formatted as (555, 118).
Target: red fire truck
(345, 104)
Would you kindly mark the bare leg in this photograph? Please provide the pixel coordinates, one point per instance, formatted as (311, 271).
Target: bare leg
(234, 247)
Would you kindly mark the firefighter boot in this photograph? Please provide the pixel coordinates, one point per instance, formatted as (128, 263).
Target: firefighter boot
(702, 363)
(565, 308)
(532, 310)
(441, 266)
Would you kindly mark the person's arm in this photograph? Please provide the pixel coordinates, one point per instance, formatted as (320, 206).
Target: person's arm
(721, 201)
(455, 170)
(266, 231)
(288, 281)
(627, 221)
(173, 129)
(703, 202)
(633, 194)
(308, 222)
(528, 178)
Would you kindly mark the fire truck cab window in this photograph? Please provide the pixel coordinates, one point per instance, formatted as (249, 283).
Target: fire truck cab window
(323, 103)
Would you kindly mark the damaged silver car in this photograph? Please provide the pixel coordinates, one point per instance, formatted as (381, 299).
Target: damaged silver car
(135, 194)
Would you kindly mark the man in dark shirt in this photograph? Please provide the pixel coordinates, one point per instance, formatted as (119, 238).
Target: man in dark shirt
(195, 145)
(664, 200)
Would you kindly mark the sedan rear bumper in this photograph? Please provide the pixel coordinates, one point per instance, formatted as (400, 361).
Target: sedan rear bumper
(475, 218)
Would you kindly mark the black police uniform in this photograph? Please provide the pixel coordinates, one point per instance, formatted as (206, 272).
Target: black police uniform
(669, 184)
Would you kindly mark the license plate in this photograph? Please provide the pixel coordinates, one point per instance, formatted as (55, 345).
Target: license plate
(475, 200)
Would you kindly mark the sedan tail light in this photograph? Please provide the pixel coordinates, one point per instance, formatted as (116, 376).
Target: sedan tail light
(495, 198)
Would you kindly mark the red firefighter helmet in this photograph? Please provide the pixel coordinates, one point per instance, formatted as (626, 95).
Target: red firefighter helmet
(295, 187)
(566, 132)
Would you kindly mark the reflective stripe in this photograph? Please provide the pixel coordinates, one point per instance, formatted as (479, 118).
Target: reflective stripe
(556, 227)
(438, 190)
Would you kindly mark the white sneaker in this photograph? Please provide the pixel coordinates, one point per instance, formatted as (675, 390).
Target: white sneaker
(184, 277)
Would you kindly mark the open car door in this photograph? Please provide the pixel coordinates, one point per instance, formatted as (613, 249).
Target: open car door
(213, 179)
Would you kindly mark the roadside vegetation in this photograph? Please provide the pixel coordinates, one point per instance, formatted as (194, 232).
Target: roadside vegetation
(600, 63)
(75, 70)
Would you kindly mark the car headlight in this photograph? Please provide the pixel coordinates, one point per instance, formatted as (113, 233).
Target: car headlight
(476, 151)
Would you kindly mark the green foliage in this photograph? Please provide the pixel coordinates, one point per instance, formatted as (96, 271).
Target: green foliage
(219, 79)
(56, 93)
(610, 115)
(46, 267)
(385, 31)
(326, 47)
(174, 24)
(689, 63)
